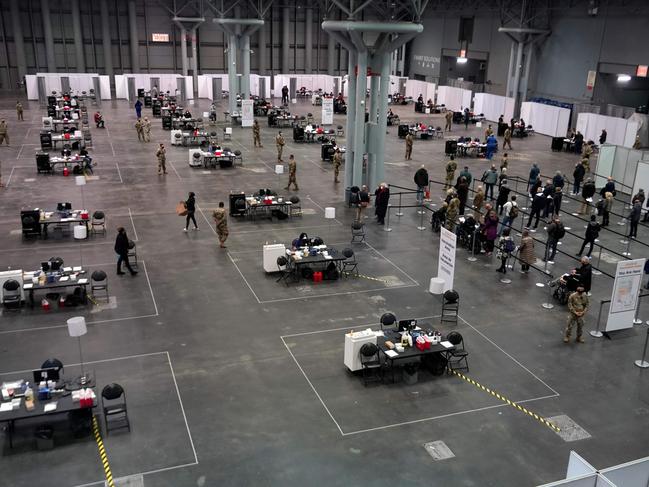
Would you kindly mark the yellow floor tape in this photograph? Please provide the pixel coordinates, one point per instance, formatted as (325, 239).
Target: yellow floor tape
(511, 403)
(370, 278)
(102, 453)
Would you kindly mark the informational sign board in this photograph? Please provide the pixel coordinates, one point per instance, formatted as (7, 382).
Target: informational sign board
(624, 300)
(247, 113)
(590, 80)
(327, 111)
(446, 262)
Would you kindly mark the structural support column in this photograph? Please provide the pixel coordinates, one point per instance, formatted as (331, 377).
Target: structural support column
(245, 67)
(351, 118)
(286, 19)
(517, 78)
(359, 128)
(331, 54)
(232, 72)
(308, 41)
(49, 37)
(78, 36)
(195, 57)
(378, 172)
(106, 39)
(133, 37)
(19, 42)
(261, 55)
(526, 72)
(183, 51)
(510, 74)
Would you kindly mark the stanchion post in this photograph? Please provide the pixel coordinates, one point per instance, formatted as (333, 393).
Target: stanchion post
(625, 239)
(386, 227)
(421, 226)
(642, 363)
(399, 213)
(597, 333)
(636, 320)
(472, 257)
(627, 253)
(599, 257)
(548, 305)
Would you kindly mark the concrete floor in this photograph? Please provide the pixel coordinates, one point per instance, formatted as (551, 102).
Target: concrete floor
(233, 379)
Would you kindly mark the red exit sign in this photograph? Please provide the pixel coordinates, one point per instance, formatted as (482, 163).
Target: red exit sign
(642, 71)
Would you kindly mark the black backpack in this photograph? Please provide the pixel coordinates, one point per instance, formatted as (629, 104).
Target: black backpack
(560, 232)
(513, 212)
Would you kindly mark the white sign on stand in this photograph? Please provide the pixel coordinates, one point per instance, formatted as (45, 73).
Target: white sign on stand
(624, 300)
(327, 111)
(446, 262)
(247, 113)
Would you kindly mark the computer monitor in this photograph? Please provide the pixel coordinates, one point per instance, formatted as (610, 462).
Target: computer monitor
(45, 266)
(407, 325)
(46, 374)
(55, 265)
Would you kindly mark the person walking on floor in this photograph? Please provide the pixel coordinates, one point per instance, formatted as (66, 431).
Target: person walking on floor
(478, 199)
(221, 222)
(161, 154)
(556, 231)
(4, 135)
(138, 108)
(504, 164)
(526, 252)
(577, 307)
(467, 118)
(587, 193)
(578, 176)
(337, 162)
(421, 180)
(602, 137)
(256, 134)
(190, 205)
(510, 210)
(381, 200)
(146, 129)
(538, 203)
(634, 218)
(292, 171)
(606, 205)
(121, 248)
(363, 202)
(449, 120)
(409, 142)
(19, 110)
(279, 142)
(507, 139)
(592, 232)
(506, 246)
(490, 178)
(451, 167)
(139, 128)
(503, 196)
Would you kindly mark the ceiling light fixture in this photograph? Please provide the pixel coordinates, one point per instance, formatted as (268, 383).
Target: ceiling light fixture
(623, 78)
(462, 60)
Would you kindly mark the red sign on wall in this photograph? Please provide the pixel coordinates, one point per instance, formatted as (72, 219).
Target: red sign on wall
(641, 71)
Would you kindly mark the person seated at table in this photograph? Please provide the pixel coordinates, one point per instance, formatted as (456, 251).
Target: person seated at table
(99, 120)
(215, 147)
(308, 128)
(319, 130)
(66, 152)
(340, 98)
(302, 241)
(67, 112)
(187, 114)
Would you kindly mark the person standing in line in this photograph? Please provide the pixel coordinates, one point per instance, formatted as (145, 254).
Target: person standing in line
(587, 193)
(363, 202)
(578, 176)
(146, 130)
(121, 248)
(292, 173)
(490, 231)
(466, 174)
(504, 164)
(548, 192)
(138, 108)
(19, 110)
(190, 204)
(452, 211)
(606, 208)
(510, 210)
(421, 180)
(557, 198)
(503, 196)
(538, 203)
(449, 120)
(381, 200)
(640, 196)
(507, 139)
(556, 231)
(526, 252)
(462, 189)
(478, 199)
(585, 273)
(608, 187)
(577, 306)
(467, 118)
(4, 135)
(490, 178)
(506, 246)
(602, 137)
(592, 232)
(337, 162)
(279, 142)
(451, 167)
(502, 177)
(221, 221)
(284, 95)
(139, 128)
(161, 154)
(409, 142)
(256, 134)
(634, 218)
(534, 175)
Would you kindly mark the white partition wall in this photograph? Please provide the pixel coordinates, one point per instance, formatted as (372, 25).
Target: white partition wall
(414, 88)
(168, 82)
(312, 82)
(632, 474)
(546, 119)
(78, 82)
(493, 106)
(456, 99)
(620, 131)
(621, 164)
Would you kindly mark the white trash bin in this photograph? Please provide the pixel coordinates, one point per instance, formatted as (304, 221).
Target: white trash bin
(80, 232)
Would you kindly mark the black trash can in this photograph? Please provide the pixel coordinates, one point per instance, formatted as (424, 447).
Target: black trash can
(410, 374)
(44, 437)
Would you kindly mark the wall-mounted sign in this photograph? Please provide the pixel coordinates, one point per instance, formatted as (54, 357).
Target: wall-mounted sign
(590, 80)
(641, 71)
(426, 61)
(159, 37)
